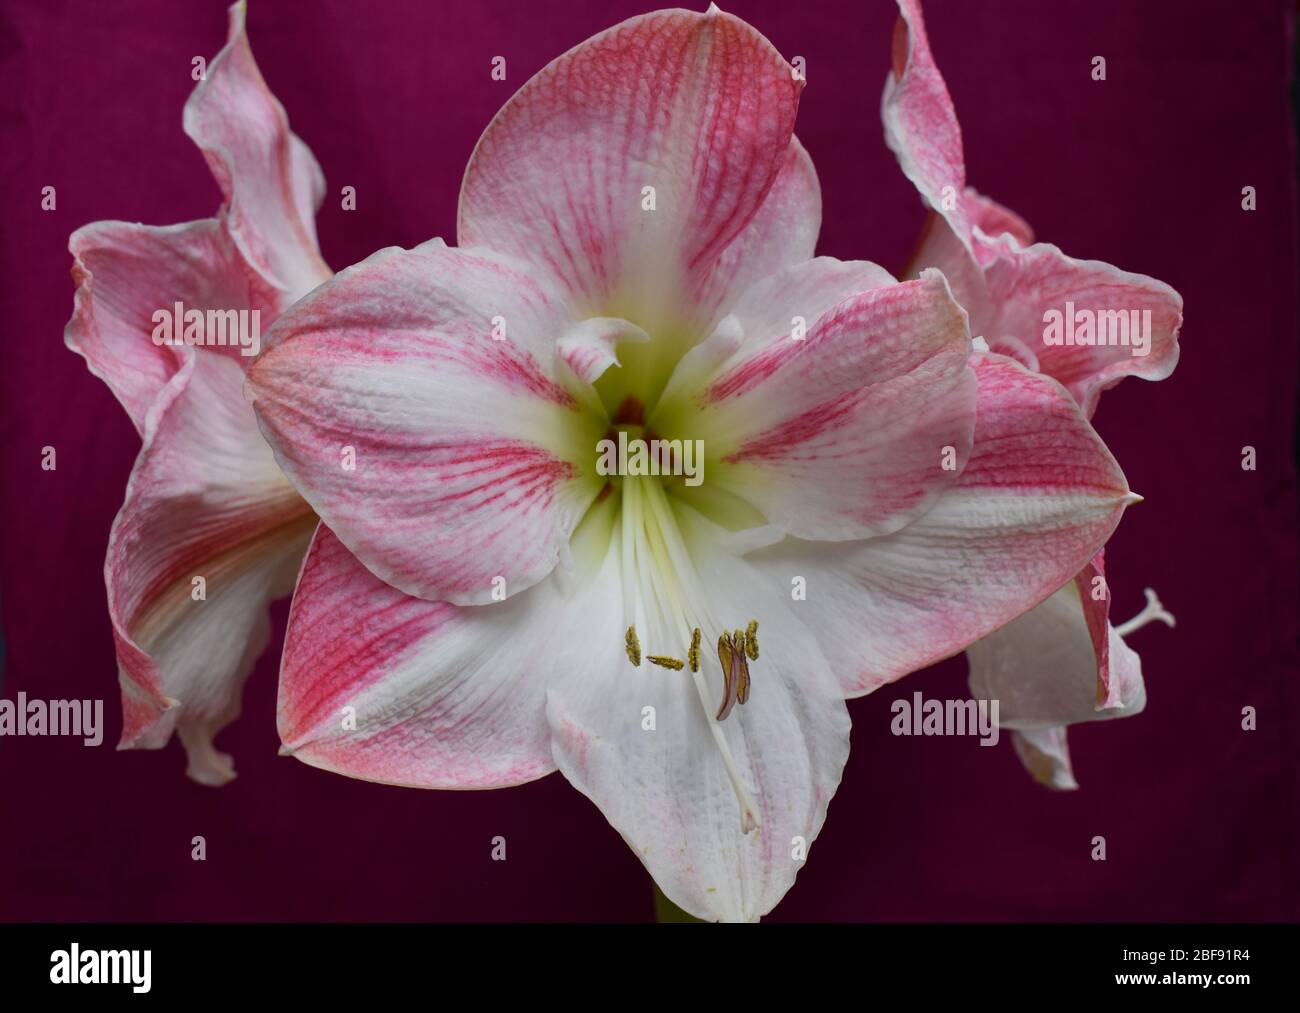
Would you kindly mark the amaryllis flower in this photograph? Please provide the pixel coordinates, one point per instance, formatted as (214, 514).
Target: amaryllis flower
(1062, 663)
(484, 604)
(210, 531)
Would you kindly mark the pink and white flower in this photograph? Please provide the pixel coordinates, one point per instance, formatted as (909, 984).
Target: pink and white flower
(481, 606)
(1061, 663)
(205, 499)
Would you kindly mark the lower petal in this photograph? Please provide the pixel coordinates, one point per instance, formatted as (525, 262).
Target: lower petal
(422, 694)
(639, 743)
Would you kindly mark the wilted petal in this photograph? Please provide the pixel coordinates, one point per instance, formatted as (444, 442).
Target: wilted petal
(447, 460)
(698, 106)
(666, 790)
(209, 535)
(850, 429)
(1039, 495)
(270, 180)
(418, 693)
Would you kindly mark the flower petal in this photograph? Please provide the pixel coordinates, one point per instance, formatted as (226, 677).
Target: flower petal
(1045, 752)
(1025, 284)
(205, 500)
(444, 459)
(1038, 497)
(1007, 286)
(872, 408)
(1061, 662)
(418, 693)
(698, 106)
(126, 273)
(782, 233)
(921, 125)
(666, 789)
(271, 182)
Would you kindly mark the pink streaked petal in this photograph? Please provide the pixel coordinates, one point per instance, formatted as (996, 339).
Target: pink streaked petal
(781, 234)
(666, 791)
(921, 125)
(271, 183)
(1006, 282)
(441, 695)
(698, 106)
(447, 460)
(126, 273)
(860, 409)
(1024, 283)
(994, 220)
(205, 500)
(1038, 497)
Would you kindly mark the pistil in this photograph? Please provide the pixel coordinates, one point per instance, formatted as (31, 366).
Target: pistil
(1151, 612)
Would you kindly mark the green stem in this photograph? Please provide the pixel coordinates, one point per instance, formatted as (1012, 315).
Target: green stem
(667, 911)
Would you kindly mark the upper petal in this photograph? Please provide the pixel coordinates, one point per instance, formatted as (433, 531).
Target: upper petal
(699, 107)
(846, 429)
(921, 125)
(449, 460)
(271, 182)
(1038, 497)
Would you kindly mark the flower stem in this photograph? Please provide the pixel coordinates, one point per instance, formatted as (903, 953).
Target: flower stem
(667, 911)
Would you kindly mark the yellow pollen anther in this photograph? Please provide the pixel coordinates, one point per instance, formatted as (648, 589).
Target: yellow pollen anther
(673, 663)
(693, 655)
(633, 646)
(751, 640)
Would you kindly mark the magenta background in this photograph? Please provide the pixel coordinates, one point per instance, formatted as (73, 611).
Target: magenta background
(1144, 170)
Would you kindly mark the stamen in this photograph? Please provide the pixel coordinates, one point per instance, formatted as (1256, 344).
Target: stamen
(633, 646)
(662, 584)
(693, 655)
(663, 662)
(1152, 611)
(751, 641)
(735, 672)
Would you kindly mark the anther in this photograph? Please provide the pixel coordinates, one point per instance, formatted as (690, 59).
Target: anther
(751, 641)
(633, 646)
(735, 672)
(693, 655)
(675, 664)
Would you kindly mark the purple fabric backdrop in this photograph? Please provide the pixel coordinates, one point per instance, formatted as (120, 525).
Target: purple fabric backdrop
(1144, 170)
